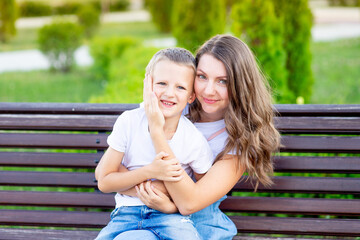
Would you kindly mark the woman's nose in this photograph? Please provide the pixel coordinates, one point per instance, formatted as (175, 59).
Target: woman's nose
(209, 88)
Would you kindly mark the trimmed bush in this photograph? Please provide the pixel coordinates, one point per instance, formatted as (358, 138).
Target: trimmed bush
(34, 9)
(89, 19)
(256, 23)
(126, 76)
(119, 5)
(8, 15)
(67, 8)
(297, 22)
(105, 50)
(58, 41)
(194, 22)
(160, 11)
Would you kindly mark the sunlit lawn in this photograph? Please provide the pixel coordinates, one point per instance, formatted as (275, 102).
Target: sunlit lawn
(44, 86)
(336, 68)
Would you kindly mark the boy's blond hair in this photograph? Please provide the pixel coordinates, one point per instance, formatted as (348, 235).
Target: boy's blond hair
(179, 56)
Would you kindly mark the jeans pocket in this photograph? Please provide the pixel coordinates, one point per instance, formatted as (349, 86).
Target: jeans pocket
(114, 212)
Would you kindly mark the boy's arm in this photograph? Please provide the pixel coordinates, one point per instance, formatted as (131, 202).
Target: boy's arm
(112, 176)
(111, 180)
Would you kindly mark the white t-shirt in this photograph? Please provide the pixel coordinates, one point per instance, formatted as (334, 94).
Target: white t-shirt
(130, 135)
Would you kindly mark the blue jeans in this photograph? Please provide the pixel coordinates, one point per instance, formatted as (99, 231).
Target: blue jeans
(213, 224)
(161, 225)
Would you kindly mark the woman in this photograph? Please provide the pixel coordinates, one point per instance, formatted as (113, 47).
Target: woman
(234, 112)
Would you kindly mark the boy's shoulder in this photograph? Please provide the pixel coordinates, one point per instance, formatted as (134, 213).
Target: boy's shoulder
(190, 130)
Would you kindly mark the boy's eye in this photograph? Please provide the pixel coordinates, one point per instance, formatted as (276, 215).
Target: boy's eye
(181, 87)
(161, 83)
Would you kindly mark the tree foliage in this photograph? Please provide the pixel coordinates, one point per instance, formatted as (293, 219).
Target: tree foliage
(194, 21)
(297, 21)
(160, 11)
(255, 22)
(8, 15)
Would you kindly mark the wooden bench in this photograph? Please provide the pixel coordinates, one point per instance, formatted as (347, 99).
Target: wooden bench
(45, 181)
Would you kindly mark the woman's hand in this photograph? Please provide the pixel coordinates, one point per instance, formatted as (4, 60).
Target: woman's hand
(154, 198)
(165, 170)
(151, 104)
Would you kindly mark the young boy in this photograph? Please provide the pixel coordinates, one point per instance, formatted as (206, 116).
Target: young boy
(173, 73)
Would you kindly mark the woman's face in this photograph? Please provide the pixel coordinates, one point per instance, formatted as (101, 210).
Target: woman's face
(211, 88)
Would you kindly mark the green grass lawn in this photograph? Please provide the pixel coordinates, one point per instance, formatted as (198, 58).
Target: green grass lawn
(336, 68)
(44, 86)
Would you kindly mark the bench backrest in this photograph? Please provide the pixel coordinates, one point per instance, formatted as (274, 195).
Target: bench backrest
(48, 153)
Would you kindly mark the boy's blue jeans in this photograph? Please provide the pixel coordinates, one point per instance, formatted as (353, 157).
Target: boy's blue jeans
(160, 225)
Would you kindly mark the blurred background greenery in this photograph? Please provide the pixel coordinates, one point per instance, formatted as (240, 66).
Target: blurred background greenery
(278, 31)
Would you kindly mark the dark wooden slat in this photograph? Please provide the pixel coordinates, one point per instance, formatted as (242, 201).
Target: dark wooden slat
(317, 164)
(33, 140)
(318, 109)
(320, 144)
(48, 179)
(57, 160)
(89, 108)
(337, 125)
(57, 122)
(65, 108)
(297, 226)
(306, 185)
(46, 234)
(347, 207)
(57, 199)
(54, 218)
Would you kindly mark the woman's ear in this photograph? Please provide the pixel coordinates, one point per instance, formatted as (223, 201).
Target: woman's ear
(191, 98)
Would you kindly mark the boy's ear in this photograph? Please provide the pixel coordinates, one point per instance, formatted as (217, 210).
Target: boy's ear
(191, 98)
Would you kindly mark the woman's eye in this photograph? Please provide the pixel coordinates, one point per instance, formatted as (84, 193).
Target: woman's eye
(201, 76)
(223, 81)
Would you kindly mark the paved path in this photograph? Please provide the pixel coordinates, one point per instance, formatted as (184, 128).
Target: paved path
(330, 24)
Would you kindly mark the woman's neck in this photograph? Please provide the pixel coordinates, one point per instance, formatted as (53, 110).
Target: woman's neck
(210, 117)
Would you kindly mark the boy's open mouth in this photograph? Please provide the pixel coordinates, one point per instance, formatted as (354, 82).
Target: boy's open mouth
(167, 103)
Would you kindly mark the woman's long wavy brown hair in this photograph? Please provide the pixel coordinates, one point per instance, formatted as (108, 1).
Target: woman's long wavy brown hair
(249, 117)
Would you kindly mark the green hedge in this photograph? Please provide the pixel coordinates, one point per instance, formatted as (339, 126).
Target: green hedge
(105, 50)
(8, 15)
(126, 75)
(58, 41)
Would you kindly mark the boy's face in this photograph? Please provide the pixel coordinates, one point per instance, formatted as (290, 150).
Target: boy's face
(173, 86)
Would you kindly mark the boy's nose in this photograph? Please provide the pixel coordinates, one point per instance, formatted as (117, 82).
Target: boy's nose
(169, 92)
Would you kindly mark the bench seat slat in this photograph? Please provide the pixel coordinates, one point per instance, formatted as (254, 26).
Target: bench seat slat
(347, 207)
(320, 144)
(299, 226)
(58, 160)
(46, 234)
(54, 218)
(44, 140)
(317, 164)
(47, 179)
(57, 199)
(57, 122)
(318, 124)
(318, 109)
